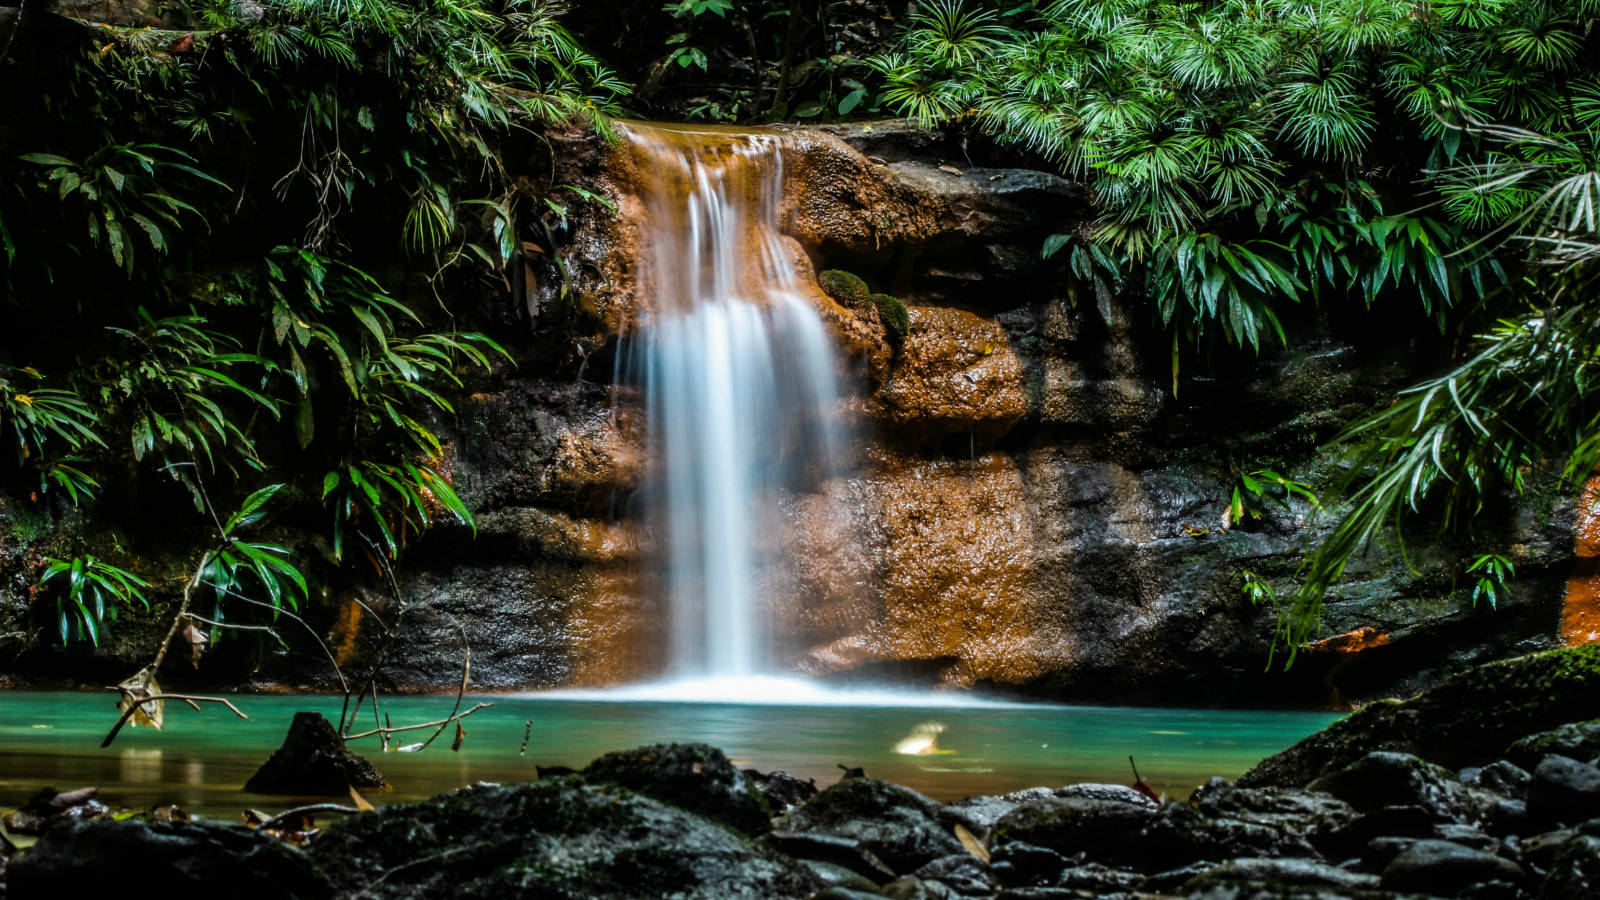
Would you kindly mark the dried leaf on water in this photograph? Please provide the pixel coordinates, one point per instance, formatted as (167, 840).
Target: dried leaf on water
(136, 689)
(360, 801)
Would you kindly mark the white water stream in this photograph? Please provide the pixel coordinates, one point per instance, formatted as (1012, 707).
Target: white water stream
(739, 381)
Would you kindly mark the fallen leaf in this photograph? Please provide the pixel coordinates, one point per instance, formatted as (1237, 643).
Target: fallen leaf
(194, 643)
(971, 842)
(951, 169)
(360, 801)
(461, 736)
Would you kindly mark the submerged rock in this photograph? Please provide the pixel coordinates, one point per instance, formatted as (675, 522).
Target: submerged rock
(194, 860)
(554, 838)
(313, 760)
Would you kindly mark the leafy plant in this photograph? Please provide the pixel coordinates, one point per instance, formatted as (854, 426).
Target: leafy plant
(88, 593)
(1254, 491)
(1256, 590)
(1493, 570)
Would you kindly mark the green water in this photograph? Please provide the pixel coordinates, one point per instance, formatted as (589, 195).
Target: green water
(201, 759)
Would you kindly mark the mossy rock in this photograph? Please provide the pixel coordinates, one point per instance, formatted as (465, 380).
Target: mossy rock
(1468, 720)
(896, 318)
(844, 287)
(557, 838)
(695, 777)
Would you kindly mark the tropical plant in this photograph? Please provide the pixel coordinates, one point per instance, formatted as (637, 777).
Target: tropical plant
(87, 594)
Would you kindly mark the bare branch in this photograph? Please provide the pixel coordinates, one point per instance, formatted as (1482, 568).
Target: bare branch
(190, 699)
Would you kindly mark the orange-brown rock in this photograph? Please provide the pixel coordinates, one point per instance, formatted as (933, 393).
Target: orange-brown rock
(956, 372)
(1580, 616)
(950, 546)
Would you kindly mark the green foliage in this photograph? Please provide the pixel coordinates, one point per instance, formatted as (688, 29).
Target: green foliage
(1493, 570)
(1256, 590)
(1255, 491)
(1232, 148)
(204, 213)
(87, 595)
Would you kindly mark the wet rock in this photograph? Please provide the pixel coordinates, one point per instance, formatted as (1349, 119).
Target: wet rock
(834, 875)
(1387, 821)
(911, 887)
(1316, 816)
(48, 807)
(1118, 792)
(1017, 863)
(1500, 776)
(1181, 833)
(1540, 850)
(1442, 867)
(695, 777)
(1101, 829)
(956, 372)
(1575, 740)
(899, 825)
(1099, 879)
(552, 838)
(1283, 872)
(782, 790)
(1387, 779)
(981, 813)
(313, 761)
(1574, 873)
(962, 873)
(839, 851)
(195, 860)
(1564, 790)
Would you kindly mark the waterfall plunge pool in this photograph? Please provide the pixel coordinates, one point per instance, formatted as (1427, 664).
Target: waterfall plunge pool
(201, 760)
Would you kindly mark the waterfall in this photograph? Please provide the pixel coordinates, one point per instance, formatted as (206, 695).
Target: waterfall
(740, 390)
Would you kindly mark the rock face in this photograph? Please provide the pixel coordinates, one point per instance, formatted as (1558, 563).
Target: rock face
(1032, 506)
(1036, 504)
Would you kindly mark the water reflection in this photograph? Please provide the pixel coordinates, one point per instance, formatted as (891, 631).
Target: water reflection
(200, 762)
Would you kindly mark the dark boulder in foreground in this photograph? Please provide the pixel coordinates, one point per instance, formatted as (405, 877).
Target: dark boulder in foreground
(313, 761)
(695, 777)
(195, 860)
(896, 824)
(555, 838)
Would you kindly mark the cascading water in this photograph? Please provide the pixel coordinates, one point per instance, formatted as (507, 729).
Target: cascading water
(739, 385)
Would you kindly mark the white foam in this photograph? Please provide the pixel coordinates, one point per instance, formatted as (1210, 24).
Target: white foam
(762, 690)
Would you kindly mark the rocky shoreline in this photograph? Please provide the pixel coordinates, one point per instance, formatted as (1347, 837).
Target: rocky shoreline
(1364, 809)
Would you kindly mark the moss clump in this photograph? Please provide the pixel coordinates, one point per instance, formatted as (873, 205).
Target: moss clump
(844, 287)
(896, 318)
(1468, 720)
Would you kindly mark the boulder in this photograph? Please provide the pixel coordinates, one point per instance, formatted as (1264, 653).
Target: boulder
(1018, 863)
(313, 761)
(196, 860)
(1574, 874)
(962, 873)
(1577, 740)
(1445, 868)
(1100, 829)
(695, 777)
(898, 825)
(838, 851)
(1316, 816)
(1282, 872)
(782, 790)
(1564, 790)
(1383, 779)
(558, 837)
(1501, 777)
